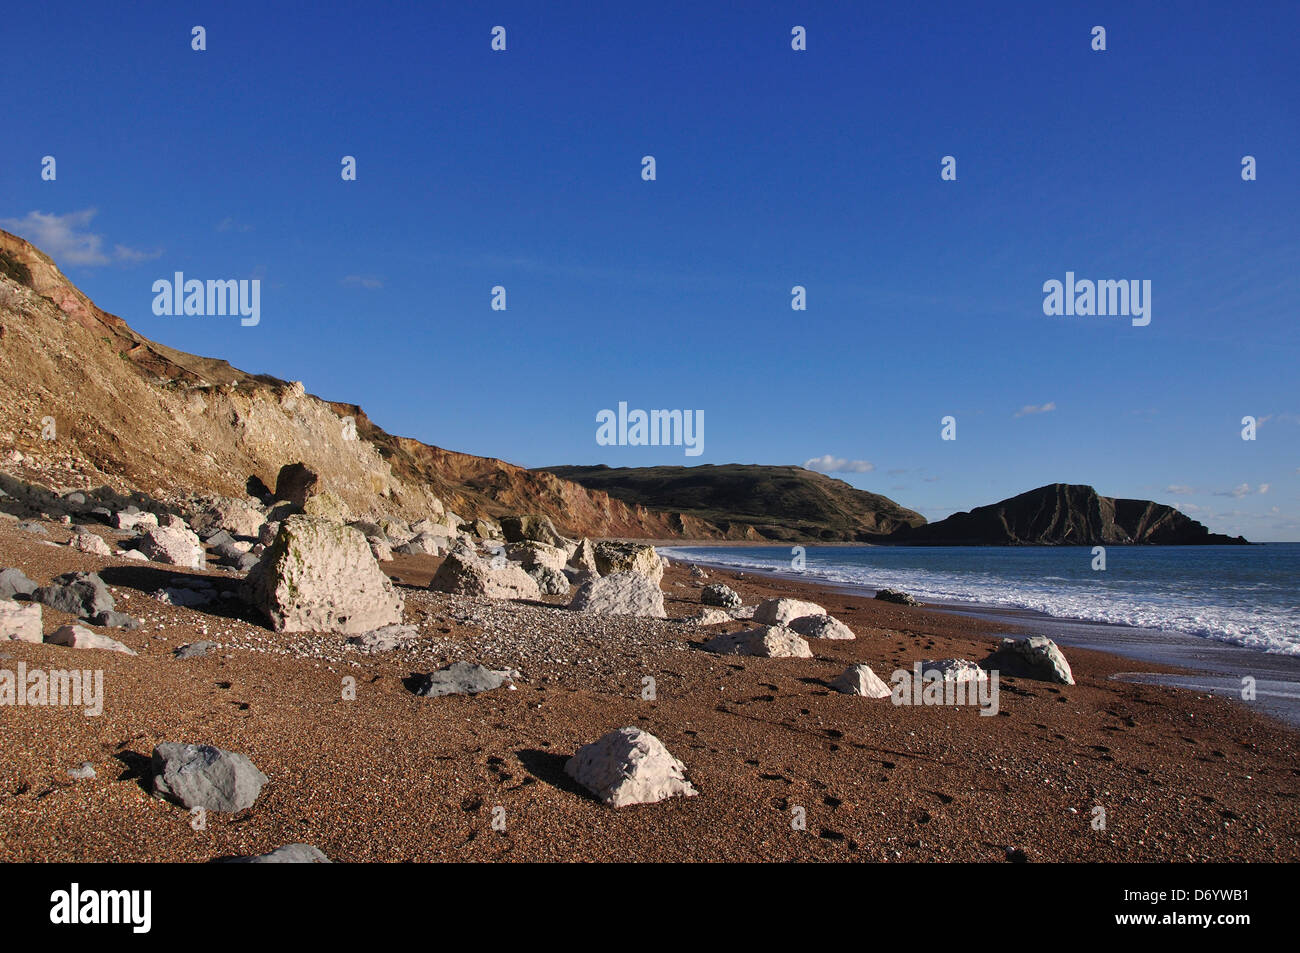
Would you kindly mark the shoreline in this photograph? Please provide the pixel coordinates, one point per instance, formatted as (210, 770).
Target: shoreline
(390, 776)
(1205, 665)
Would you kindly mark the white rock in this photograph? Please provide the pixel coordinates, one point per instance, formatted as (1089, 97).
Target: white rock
(125, 520)
(954, 670)
(768, 641)
(175, 546)
(629, 766)
(20, 621)
(782, 611)
(861, 680)
(621, 593)
(79, 637)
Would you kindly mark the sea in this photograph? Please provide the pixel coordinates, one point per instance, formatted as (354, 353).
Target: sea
(1224, 612)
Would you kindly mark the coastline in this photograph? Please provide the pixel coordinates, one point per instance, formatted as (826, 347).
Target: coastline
(1203, 665)
(389, 776)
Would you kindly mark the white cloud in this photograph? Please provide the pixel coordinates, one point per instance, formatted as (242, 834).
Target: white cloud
(369, 282)
(67, 240)
(1179, 489)
(1046, 408)
(829, 464)
(1243, 489)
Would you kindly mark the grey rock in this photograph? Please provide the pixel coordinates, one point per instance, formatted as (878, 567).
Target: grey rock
(111, 619)
(461, 678)
(206, 777)
(194, 650)
(896, 596)
(550, 581)
(82, 594)
(1036, 657)
(385, 639)
(79, 637)
(15, 582)
(288, 854)
(716, 594)
(821, 627)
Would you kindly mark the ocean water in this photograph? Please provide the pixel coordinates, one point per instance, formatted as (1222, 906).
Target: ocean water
(1247, 596)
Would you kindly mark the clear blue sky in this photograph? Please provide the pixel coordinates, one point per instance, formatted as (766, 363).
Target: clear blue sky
(775, 168)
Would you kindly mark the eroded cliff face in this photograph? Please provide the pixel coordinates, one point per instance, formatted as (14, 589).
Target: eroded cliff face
(1062, 514)
(134, 414)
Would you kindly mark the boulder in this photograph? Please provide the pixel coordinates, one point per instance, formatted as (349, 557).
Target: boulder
(327, 506)
(716, 594)
(387, 639)
(266, 533)
(175, 546)
(296, 483)
(464, 573)
(621, 593)
(1036, 657)
(134, 519)
(233, 516)
(629, 766)
(204, 776)
(782, 611)
(486, 529)
(860, 680)
(550, 581)
(896, 596)
(767, 641)
(194, 649)
(82, 594)
(954, 670)
(821, 627)
(90, 544)
(288, 854)
(78, 637)
(14, 582)
(20, 621)
(425, 544)
(33, 527)
(531, 553)
(709, 617)
(583, 557)
(380, 549)
(518, 529)
(629, 557)
(110, 619)
(320, 576)
(697, 572)
(461, 678)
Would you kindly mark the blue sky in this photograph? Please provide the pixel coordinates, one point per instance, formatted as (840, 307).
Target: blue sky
(775, 168)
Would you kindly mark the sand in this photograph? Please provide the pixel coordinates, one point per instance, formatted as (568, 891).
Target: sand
(393, 777)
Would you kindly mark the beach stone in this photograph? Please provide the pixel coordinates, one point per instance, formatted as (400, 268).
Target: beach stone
(112, 619)
(697, 572)
(134, 519)
(550, 581)
(82, 772)
(234, 517)
(175, 546)
(133, 554)
(767, 641)
(716, 594)
(518, 529)
(194, 649)
(709, 617)
(860, 680)
(621, 593)
(425, 544)
(954, 670)
(387, 639)
(14, 582)
(486, 528)
(629, 557)
(90, 544)
(464, 573)
(288, 854)
(79, 637)
(821, 627)
(206, 777)
(82, 594)
(531, 553)
(583, 557)
(782, 611)
(20, 621)
(629, 766)
(461, 678)
(31, 526)
(320, 576)
(896, 596)
(296, 483)
(1036, 657)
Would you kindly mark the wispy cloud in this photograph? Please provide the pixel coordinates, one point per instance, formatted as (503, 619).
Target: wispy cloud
(829, 464)
(230, 225)
(369, 282)
(68, 239)
(1179, 489)
(1036, 409)
(1243, 489)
